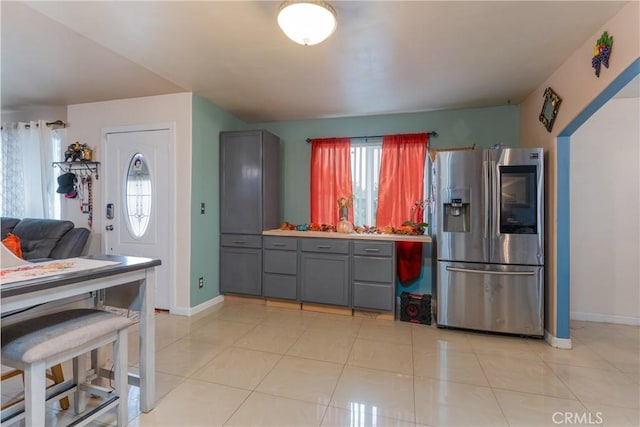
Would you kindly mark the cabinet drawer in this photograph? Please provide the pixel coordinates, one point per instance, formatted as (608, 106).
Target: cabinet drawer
(241, 240)
(281, 262)
(279, 286)
(282, 243)
(373, 296)
(334, 246)
(373, 248)
(373, 269)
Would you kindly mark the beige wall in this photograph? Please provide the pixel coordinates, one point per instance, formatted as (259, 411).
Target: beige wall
(36, 113)
(86, 122)
(577, 85)
(605, 209)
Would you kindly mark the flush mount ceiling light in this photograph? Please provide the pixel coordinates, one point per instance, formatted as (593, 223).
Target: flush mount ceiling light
(307, 22)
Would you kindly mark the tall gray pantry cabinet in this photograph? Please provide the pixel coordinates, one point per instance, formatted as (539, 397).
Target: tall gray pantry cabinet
(249, 204)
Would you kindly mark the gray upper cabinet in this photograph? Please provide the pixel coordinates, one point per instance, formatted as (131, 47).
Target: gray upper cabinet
(249, 204)
(249, 182)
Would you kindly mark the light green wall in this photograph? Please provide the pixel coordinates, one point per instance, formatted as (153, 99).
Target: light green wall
(207, 122)
(456, 128)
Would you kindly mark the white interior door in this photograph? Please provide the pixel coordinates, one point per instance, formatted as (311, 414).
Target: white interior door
(136, 211)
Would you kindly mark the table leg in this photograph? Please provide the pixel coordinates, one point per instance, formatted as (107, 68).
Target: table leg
(147, 342)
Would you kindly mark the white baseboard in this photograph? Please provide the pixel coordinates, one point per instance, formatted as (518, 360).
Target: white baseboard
(564, 343)
(190, 311)
(605, 318)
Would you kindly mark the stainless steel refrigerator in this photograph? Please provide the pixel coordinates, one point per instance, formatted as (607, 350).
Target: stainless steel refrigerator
(489, 223)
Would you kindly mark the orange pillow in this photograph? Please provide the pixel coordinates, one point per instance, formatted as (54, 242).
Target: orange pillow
(12, 242)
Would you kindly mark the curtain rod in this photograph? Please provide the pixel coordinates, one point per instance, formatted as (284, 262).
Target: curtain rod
(432, 134)
(56, 123)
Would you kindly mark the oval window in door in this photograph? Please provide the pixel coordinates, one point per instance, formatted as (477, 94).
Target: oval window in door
(138, 196)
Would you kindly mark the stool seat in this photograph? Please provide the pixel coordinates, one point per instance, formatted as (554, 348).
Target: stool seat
(46, 336)
(34, 344)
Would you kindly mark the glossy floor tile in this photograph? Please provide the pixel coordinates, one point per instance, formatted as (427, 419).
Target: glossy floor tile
(449, 365)
(368, 390)
(302, 379)
(238, 367)
(248, 364)
(382, 355)
(445, 403)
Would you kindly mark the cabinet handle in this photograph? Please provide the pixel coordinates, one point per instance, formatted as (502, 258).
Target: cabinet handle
(323, 246)
(278, 244)
(239, 242)
(371, 250)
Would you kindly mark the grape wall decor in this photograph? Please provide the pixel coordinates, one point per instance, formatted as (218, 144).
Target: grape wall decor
(601, 52)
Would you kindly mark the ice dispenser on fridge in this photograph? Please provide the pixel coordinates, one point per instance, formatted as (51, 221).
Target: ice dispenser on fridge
(457, 211)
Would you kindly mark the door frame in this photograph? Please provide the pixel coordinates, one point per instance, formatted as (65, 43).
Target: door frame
(171, 127)
(563, 205)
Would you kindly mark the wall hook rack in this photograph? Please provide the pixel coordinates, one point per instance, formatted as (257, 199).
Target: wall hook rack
(82, 166)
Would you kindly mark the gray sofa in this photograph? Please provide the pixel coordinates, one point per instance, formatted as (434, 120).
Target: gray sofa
(43, 239)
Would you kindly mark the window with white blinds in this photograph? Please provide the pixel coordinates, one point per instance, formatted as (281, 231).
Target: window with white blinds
(365, 173)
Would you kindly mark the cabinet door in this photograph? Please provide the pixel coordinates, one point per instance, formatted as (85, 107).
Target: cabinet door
(325, 278)
(241, 270)
(280, 286)
(374, 296)
(241, 182)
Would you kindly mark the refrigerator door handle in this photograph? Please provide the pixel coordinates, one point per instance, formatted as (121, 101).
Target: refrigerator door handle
(487, 181)
(497, 197)
(501, 273)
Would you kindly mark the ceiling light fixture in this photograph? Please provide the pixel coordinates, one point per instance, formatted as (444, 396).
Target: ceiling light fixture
(307, 22)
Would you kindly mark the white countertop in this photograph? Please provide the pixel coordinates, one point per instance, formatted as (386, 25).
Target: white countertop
(336, 235)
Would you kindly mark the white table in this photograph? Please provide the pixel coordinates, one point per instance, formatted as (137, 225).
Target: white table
(129, 270)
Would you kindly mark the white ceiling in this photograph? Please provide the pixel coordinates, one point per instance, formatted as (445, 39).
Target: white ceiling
(385, 57)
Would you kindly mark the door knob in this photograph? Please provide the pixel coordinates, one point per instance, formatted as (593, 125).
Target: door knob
(109, 227)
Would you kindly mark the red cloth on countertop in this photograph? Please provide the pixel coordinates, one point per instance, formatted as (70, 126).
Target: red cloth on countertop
(409, 255)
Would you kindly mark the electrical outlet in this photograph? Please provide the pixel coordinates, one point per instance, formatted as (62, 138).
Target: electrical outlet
(201, 282)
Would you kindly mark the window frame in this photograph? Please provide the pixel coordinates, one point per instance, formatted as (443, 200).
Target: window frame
(371, 145)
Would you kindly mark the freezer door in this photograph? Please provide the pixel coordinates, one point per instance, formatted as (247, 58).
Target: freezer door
(517, 206)
(496, 298)
(462, 223)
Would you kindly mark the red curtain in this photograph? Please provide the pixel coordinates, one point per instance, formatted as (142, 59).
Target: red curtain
(330, 178)
(401, 185)
(401, 177)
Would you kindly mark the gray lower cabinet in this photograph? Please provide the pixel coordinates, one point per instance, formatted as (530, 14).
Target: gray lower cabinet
(373, 275)
(241, 264)
(242, 272)
(280, 268)
(324, 270)
(342, 272)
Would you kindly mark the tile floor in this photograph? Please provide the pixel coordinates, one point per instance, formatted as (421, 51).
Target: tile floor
(245, 364)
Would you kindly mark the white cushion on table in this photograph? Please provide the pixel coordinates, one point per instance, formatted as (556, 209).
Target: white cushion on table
(42, 337)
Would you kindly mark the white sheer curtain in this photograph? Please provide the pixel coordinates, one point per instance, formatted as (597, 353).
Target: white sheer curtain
(27, 180)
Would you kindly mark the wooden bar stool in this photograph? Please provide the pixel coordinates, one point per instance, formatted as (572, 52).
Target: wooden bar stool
(35, 344)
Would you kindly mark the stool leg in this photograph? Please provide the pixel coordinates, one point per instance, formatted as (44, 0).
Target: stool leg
(58, 377)
(35, 385)
(79, 377)
(121, 369)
